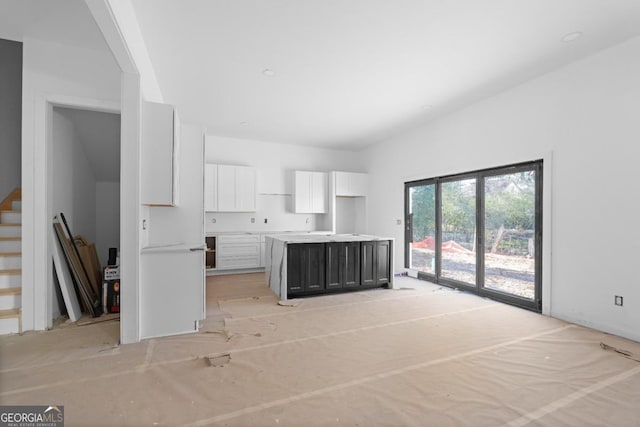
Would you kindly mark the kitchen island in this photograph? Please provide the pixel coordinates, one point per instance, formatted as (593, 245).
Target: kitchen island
(304, 264)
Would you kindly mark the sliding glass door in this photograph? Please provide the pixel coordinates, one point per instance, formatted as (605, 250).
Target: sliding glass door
(421, 226)
(480, 231)
(510, 233)
(458, 230)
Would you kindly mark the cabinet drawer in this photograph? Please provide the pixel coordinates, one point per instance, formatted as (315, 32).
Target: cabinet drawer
(238, 262)
(238, 251)
(238, 238)
(245, 249)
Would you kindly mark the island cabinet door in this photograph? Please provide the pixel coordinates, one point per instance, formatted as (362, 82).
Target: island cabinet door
(295, 268)
(368, 263)
(333, 261)
(314, 267)
(382, 263)
(305, 267)
(343, 265)
(351, 262)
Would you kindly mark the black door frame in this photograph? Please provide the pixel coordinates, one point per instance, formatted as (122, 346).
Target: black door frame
(478, 287)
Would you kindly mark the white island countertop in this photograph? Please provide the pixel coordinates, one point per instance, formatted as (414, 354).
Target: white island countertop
(326, 238)
(264, 232)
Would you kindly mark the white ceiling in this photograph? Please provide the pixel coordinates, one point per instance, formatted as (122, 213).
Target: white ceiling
(348, 73)
(351, 73)
(61, 21)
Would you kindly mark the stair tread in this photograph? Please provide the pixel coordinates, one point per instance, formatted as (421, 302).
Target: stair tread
(10, 313)
(10, 211)
(10, 253)
(7, 224)
(10, 291)
(10, 239)
(11, 272)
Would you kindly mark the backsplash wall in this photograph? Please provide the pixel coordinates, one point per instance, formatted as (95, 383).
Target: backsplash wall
(276, 208)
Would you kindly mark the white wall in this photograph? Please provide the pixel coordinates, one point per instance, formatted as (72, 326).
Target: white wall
(10, 115)
(65, 75)
(586, 114)
(73, 187)
(275, 164)
(351, 215)
(107, 219)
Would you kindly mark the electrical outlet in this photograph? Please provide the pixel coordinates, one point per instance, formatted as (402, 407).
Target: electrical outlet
(265, 220)
(398, 221)
(253, 220)
(306, 221)
(213, 220)
(618, 300)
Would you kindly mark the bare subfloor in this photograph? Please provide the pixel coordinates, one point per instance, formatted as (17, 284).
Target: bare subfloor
(419, 356)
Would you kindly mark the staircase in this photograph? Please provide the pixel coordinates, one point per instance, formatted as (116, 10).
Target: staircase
(10, 264)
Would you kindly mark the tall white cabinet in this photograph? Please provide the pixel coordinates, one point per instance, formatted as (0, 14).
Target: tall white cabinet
(160, 152)
(172, 277)
(310, 192)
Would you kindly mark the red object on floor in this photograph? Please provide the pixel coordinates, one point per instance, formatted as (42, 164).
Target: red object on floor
(448, 246)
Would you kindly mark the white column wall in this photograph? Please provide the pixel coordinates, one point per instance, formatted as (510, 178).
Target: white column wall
(62, 73)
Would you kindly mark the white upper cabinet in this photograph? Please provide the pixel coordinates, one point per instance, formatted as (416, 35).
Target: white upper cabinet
(210, 187)
(351, 184)
(230, 188)
(310, 192)
(226, 188)
(159, 156)
(245, 189)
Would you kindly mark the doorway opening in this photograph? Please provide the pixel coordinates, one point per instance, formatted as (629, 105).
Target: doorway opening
(480, 231)
(84, 185)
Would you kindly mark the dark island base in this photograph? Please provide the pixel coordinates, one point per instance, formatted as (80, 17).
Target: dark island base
(323, 268)
(291, 295)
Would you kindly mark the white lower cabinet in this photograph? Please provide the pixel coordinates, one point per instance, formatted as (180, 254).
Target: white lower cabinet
(262, 250)
(236, 251)
(172, 292)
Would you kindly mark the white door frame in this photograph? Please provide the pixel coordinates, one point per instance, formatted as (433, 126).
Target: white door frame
(38, 293)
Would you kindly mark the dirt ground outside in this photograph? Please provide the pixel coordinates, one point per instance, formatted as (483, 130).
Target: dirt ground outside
(505, 273)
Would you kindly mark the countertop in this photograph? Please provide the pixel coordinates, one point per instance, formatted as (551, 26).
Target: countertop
(326, 238)
(265, 232)
(172, 247)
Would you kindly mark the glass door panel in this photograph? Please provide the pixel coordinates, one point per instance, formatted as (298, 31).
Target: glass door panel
(509, 233)
(458, 230)
(422, 216)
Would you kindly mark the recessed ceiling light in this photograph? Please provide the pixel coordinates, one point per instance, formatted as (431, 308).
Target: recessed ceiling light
(571, 36)
(268, 72)
(244, 123)
(426, 106)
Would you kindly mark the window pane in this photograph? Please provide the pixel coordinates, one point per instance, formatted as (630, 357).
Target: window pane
(422, 208)
(459, 230)
(509, 223)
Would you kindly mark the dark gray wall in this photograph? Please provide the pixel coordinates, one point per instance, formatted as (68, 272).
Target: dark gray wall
(10, 115)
